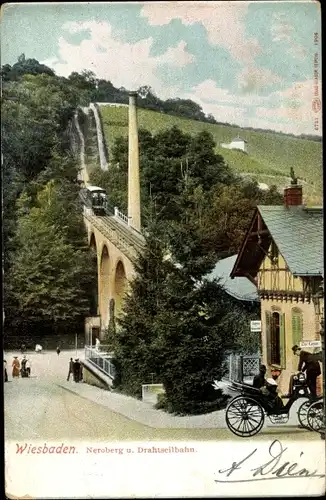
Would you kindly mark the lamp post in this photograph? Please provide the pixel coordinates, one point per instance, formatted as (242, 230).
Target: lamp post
(317, 298)
(322, 338)
(76, 344)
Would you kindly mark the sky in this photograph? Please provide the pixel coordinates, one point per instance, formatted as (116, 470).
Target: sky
(248, 63)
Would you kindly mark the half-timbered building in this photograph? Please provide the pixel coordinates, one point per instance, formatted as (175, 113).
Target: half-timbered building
(282, 254)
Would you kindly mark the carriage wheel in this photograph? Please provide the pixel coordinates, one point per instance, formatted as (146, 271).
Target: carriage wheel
(244, 416)
(315, 416)
(302, 414)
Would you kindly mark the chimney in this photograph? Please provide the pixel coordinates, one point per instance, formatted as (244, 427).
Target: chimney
(293, 195)
(133, 166)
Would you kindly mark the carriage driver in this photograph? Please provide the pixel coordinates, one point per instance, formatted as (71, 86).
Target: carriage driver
(308, 363)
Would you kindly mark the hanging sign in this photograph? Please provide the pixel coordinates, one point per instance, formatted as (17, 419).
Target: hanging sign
(310, 343)
(255, 326)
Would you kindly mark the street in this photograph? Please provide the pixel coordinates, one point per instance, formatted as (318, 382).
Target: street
(46, 406)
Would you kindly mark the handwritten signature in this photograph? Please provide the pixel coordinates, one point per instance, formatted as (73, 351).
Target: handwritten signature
(275, 468)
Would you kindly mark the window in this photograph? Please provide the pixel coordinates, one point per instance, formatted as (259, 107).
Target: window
(297, 326)
(275, 338)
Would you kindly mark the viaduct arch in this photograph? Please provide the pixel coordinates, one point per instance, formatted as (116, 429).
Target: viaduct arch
(115, 269)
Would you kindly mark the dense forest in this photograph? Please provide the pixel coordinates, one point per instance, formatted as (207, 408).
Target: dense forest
(48, 270)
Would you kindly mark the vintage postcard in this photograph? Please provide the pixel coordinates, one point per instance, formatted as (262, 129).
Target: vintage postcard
(163, 267)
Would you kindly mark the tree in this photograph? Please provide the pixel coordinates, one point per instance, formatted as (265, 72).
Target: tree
(144, 91)
(35, 121)
(184, 107)
(246, 341)
(194, 329)
(86, 83)
(35, 112)
(105, 92)
(227, 218)
(207, 167)
(176, 325)
(23, 67)
(187, 234)
(210, 118)
(226, 211)
(133, 354)
(42, 213)
(165, 157)
(175, 330)
(49, 277)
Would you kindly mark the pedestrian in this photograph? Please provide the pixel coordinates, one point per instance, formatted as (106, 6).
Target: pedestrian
(15, 367)
(23, 370)
(71, 369)
(23, 348)
(308, 363)
(259, 380)
(38, 348)
(28, 367)
(5, 373)
(76, 370)
(81, 373)
(58, 350)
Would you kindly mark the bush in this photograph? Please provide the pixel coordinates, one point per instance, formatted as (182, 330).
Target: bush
(162, 403)
(193, 408)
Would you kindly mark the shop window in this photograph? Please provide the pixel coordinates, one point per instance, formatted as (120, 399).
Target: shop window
(297, 326)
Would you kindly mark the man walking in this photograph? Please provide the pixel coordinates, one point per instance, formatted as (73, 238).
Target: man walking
(5, 373)
(71, 369)
(76, 370)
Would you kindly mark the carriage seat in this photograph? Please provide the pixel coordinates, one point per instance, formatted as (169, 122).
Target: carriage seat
(243, 386)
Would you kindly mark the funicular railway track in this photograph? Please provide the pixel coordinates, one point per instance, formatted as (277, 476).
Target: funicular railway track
(129, 233)
(123, 238)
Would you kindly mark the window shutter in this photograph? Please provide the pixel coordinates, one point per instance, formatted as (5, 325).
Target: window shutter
(268, 322)
(282, 341)
(297, 332)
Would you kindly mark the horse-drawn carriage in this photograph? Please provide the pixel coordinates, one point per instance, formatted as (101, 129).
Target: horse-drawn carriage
(246, 412)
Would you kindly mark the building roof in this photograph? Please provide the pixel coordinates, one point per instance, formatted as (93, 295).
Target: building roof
(298, 234)
(240, 288)
(239, 139)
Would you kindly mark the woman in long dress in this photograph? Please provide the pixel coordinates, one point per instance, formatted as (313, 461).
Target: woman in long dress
(15, 367)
